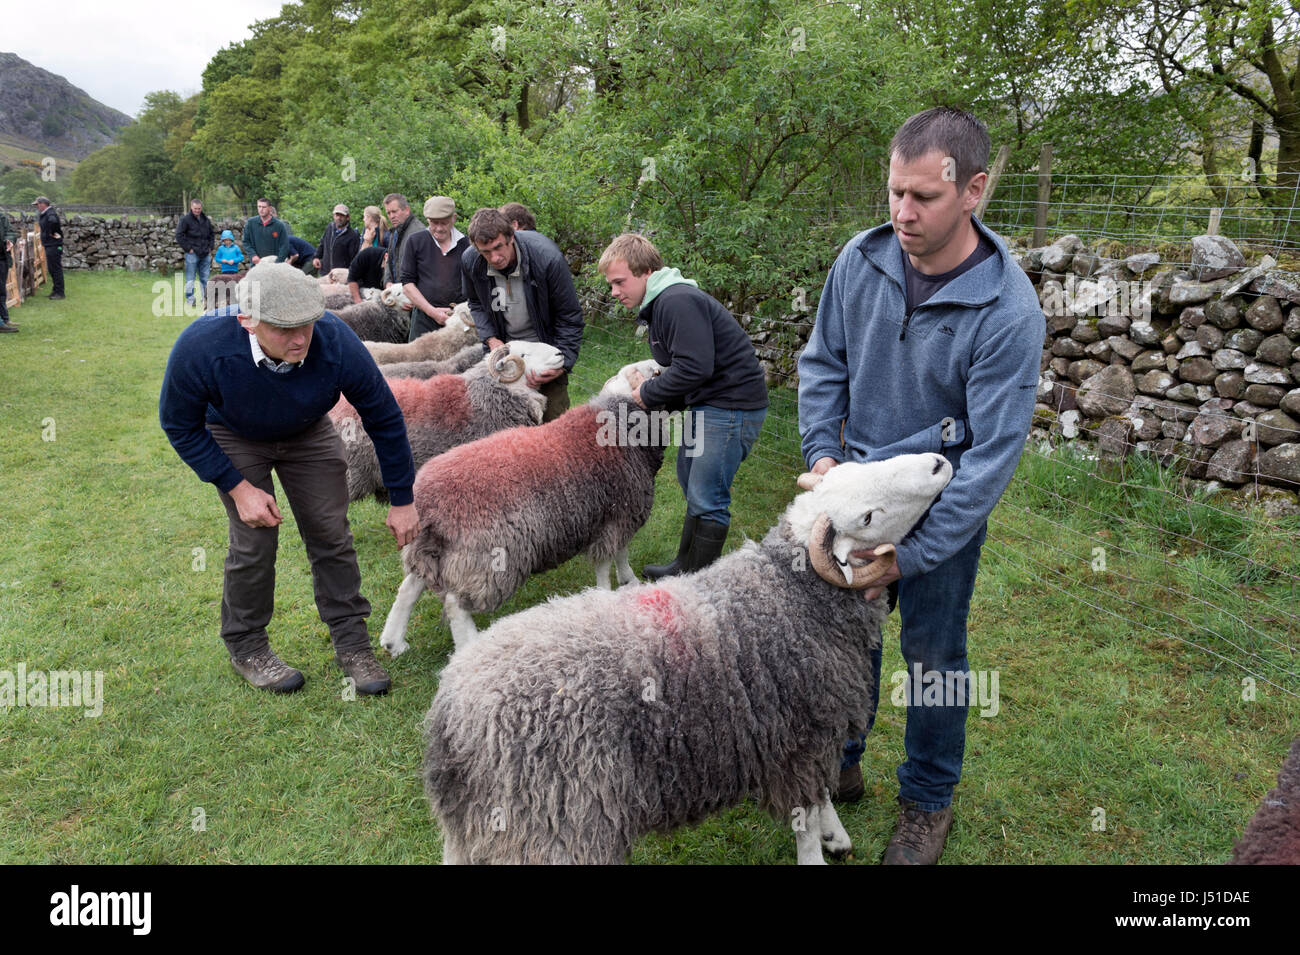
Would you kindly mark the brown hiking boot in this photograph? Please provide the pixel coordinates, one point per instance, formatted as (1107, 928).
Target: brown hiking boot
(266, 671)
(920, 835)
(850, 788)
(369, 677)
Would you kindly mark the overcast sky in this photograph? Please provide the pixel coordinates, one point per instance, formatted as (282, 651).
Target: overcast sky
(119, 50)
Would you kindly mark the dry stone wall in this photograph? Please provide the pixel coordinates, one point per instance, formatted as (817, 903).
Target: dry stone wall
(134, 244)
(1198, 365)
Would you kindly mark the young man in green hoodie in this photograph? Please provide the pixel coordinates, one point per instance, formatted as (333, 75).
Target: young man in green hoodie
(711, 371)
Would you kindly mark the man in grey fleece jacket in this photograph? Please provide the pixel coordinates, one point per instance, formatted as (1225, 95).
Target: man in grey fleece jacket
(928, 338)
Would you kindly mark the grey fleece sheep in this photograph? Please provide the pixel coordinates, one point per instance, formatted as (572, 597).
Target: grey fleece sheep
(374, 321)
(522, 501)
(439, 344)
(446, 410)
(566, 731)
(462, 361)
(1273, 835)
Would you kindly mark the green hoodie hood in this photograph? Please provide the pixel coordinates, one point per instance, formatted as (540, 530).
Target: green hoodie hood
(661, 280)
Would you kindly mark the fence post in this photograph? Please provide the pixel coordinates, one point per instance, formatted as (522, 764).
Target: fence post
(994, 175)
(1215, 214)
(1044, 195)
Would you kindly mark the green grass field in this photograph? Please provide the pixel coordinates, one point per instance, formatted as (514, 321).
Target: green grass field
(111, 556)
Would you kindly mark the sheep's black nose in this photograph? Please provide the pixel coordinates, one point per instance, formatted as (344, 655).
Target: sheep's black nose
(938, 465)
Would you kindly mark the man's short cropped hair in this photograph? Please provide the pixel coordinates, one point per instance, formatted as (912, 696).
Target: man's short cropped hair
(636, 250)
(398, 198)
(262, 199)
(518, 212)
(951, 132)
(486, 225)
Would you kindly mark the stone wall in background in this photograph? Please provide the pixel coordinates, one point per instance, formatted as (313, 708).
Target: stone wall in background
(134, 244)
(1197, 365)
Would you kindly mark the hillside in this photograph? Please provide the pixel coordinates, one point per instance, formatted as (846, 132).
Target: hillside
(44, 114)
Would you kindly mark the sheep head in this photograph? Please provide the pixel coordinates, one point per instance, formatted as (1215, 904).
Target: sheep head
(537, 357)
(621, 384)
(393, 296)
(461, 319)
(856, 507)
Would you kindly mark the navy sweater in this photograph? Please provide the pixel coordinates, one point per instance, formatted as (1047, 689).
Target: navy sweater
(211, 377)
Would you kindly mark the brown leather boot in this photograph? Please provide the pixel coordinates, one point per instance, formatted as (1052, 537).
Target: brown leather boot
(369, 677)
(266, 671)
(920, 836)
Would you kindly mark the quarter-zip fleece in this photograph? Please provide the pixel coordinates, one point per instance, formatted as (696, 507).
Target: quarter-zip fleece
(961, 381)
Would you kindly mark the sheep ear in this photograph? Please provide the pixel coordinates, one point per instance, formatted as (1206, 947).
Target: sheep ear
(808, 480)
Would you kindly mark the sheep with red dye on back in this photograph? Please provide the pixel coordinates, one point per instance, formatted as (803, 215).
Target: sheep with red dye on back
(525, 500)
(568, 730)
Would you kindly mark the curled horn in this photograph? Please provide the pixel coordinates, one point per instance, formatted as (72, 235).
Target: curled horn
(504, 366)
(832, 571)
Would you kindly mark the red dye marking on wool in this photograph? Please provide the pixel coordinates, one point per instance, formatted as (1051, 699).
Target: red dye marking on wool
(443, 397)
(663, 609)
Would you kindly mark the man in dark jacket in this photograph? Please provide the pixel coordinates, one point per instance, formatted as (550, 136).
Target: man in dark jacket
(519, 287)
(51, 242)
(264, 235)
(339, 244)
(711, 371)
(405, 225)
(195, 235)
(431, 275)
(6, 260)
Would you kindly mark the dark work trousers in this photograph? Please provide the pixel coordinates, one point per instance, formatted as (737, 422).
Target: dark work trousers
(557, 397)
(54, 262)
(313, 473)
(4, 289)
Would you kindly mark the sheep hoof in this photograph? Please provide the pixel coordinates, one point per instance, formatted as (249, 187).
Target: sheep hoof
(395, 647)
(839, 848)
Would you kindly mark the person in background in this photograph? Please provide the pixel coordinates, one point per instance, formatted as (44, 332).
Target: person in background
(431, 276)
(520, 216)
(405, 225)
(519, 288)
(194, 233)
(264, 234)
(711, 373)
(339, 243)
(228, 255)
(51, 242)
(6, 262)
(375, 230)
(301, 254)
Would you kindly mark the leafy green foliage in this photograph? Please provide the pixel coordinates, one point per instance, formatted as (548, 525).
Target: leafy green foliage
(104, 177)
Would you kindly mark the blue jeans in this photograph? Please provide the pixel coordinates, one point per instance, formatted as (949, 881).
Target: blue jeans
(933, 608)
(200, 263)
(714, 442)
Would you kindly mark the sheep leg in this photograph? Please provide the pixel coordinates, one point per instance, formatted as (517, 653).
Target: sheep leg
(834, 839)
(393, 638)
(808, 835)
(625, 573)
(602, 574)
(462, 626)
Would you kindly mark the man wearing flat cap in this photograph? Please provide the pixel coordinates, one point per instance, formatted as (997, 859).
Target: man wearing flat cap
(431, 267)
(339, 244)
(247, 391)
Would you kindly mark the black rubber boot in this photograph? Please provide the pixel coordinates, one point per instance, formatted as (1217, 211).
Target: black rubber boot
(707, 545)
(655, 571)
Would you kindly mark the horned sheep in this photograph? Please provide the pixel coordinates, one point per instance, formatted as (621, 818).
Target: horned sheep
(568, 730)
(462, 361)
(379, 319)
(519, 502)
(448, 410)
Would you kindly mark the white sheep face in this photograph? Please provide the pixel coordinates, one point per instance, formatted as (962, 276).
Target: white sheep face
(393, 296)
(620, 383)
(538, 356)
(460, 319)
(873, 503)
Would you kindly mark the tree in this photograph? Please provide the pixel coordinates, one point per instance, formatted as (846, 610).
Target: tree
(103, 177)
(235, 146)
(152, 171)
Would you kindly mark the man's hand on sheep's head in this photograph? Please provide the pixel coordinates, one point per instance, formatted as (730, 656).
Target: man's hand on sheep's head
(886, 578)
(256, 507)
(542, 377)
(403, 522)
(439, 315)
